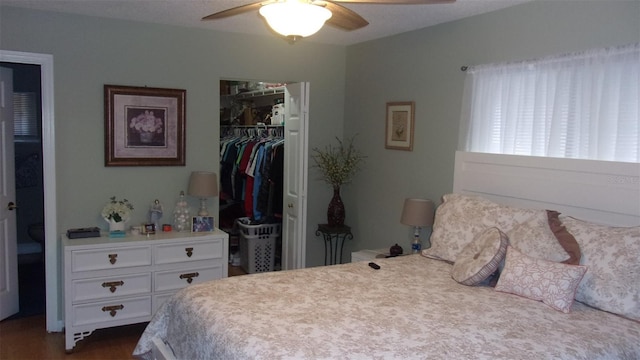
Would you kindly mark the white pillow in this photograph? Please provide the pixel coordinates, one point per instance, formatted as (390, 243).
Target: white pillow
(535, 238)
(461, 217)
(613, 257)
(480, 258)
(552, 283)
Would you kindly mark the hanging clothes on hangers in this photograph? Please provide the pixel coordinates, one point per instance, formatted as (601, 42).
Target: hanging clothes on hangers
(247, 156)
(272, 184)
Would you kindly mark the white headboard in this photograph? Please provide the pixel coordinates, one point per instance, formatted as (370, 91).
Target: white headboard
(599, 191)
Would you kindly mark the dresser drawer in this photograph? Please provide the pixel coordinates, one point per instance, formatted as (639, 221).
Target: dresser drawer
(113, 282)
(101, 259)
(189, 251)
(177, 279)
(113, 310)
(110, 287)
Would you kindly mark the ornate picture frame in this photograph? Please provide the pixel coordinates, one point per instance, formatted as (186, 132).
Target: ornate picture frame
(144, 126)
(399, 125)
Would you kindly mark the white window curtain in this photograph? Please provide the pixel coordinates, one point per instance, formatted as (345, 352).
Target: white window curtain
(582, 105)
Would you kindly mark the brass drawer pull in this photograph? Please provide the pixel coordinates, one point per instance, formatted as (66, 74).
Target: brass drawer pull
(189, 251)
(113, 309)
(113, 258)
(189, 276)
(112, 285)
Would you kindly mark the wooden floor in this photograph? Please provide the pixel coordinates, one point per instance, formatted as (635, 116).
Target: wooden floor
(26, 338)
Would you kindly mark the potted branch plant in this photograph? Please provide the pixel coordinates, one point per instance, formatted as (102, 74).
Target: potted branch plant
(337, 165)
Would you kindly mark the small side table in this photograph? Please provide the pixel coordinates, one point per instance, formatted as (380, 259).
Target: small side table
(330, 233)
(368, 254)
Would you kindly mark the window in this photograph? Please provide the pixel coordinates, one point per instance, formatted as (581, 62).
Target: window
(582, 105)
(25, 116)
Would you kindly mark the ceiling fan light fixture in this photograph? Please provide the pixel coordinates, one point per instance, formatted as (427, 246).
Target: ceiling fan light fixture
(294, 18)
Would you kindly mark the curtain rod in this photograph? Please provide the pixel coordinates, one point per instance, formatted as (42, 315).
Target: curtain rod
(591, 53)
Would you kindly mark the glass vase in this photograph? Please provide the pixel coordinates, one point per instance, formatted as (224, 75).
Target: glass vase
(181, 218)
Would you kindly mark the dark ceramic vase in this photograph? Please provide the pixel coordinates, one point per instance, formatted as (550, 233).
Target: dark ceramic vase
(395, 250)
(335, 212)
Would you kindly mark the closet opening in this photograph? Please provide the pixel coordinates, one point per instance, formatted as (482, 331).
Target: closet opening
(252, 142)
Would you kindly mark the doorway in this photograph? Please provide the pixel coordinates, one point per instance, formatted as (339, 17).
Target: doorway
(251, 173)
(29, 187)
(53, 296)
(267, 122)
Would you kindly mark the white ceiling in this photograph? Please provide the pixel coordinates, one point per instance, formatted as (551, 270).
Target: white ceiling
(384, 20)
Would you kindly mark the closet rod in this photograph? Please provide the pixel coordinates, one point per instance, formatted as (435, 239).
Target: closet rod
(261, 125)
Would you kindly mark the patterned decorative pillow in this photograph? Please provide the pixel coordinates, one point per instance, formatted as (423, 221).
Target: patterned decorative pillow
(535, 238)
(613, 257)
(552, 283)
(481, 257)
(461, 217)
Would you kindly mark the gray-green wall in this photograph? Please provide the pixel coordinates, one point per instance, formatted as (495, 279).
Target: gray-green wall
(90, 52)
(424, 66)
(349, 89)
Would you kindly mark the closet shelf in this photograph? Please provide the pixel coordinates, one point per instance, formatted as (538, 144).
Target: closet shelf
(258, 93)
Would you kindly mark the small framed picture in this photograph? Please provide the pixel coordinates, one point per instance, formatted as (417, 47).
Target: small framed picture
(202, 224)
(149, 229)
(399, 126)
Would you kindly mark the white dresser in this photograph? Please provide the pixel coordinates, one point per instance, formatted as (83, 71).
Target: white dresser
(111, 282)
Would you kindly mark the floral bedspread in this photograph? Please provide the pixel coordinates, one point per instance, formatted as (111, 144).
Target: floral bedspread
(408, 309)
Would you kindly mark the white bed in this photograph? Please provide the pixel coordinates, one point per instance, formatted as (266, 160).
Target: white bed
(411, 307)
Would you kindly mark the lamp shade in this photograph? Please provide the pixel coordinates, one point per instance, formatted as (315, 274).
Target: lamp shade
(295, 18)
(203, 184)
(417, 212)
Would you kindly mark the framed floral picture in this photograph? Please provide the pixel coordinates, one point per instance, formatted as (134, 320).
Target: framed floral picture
(144, 126)
(399, 125)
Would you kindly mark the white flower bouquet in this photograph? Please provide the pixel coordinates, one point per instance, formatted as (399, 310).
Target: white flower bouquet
(117, 210)
(146, 122)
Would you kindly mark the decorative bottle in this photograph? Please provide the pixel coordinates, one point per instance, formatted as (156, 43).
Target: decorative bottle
(416, 246)
(181, 219)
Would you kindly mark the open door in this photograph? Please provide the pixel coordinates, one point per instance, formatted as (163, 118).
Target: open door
(295, 176)
(9, 299)
(54, 314)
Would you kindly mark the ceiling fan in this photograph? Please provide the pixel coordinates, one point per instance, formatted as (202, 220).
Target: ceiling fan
(301, 18)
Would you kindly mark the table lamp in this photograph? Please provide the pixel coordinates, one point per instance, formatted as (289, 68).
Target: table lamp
(203, 185)
(417, 213)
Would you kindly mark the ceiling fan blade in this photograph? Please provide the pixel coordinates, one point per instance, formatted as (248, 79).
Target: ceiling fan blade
(343, 17)
(396, 2)
(235, 11)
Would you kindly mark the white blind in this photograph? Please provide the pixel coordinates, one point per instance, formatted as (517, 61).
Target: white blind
(25, 115)
(581, 105)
